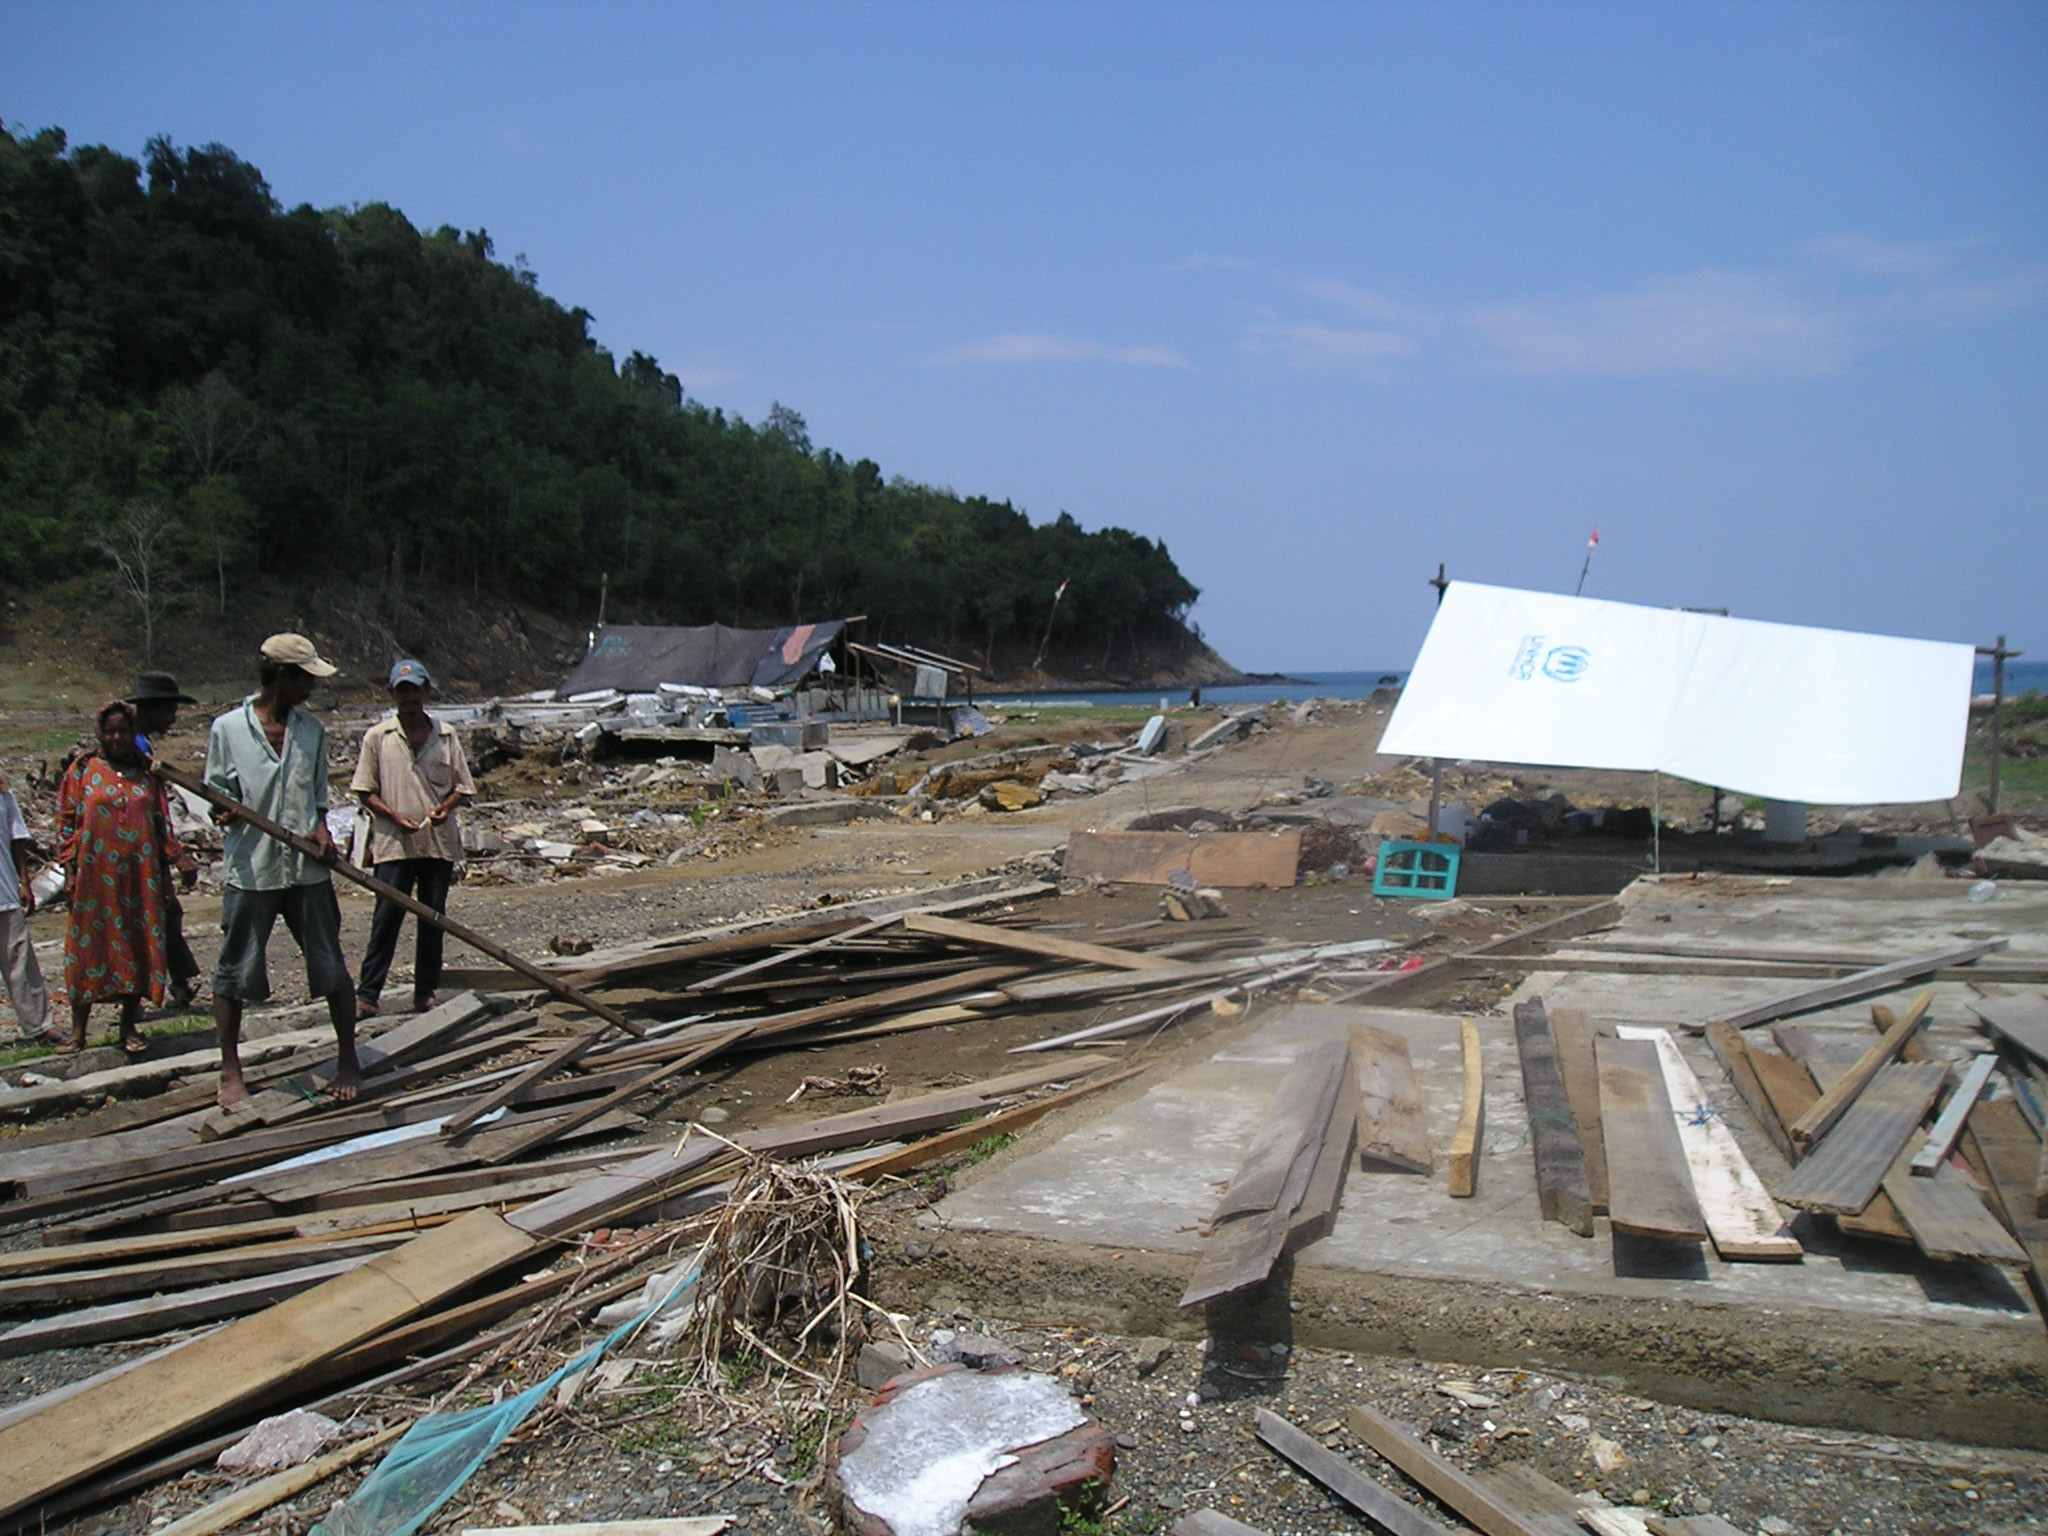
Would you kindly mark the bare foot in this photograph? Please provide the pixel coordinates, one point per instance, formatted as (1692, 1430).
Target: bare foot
(232, 1091)
(348, 1082)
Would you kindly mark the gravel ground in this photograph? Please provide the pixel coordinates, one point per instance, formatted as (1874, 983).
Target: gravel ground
(1182, 1448)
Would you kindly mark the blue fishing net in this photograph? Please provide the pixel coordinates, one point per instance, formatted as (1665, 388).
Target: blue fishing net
(433, 1459)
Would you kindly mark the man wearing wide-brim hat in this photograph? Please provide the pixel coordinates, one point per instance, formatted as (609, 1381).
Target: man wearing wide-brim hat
(155, 699)
(271, 755)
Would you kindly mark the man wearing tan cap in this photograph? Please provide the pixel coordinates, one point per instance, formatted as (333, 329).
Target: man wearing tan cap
(271, 754)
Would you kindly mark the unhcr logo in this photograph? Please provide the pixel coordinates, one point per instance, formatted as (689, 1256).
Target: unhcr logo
(1567, 663)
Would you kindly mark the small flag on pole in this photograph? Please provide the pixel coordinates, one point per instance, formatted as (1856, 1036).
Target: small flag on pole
(1592, 543)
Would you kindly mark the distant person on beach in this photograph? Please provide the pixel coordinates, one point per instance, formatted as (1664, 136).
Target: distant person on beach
(411, 779)
(271, 755)
(156, 698)
(115, 841)
(19, 972)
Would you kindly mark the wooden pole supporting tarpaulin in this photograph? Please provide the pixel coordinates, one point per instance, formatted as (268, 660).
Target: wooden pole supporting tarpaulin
(419, 909)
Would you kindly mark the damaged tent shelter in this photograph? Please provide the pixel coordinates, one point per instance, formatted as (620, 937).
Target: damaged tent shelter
(640, 658)
(1793, 714)
(709, 685)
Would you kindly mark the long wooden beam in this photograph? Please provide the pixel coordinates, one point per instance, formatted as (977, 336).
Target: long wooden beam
(306, 847)
(1831, 1106)
(1024, 941)
(1882, 978)
(197, 1385)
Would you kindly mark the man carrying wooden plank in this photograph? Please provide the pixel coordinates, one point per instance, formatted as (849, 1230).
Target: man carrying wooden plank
(271, 755)
(411, 779)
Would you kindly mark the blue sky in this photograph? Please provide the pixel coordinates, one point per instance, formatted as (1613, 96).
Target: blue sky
(1321, 295)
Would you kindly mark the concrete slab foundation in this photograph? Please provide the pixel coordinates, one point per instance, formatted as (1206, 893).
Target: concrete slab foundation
(1858, 1333)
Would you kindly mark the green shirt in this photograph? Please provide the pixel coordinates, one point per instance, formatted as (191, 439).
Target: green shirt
(289, 787)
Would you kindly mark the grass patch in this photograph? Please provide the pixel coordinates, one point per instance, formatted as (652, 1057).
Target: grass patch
(2022, 782)
(2028, 708)
(741, 1368)
(986, 1148)
(806, 1443)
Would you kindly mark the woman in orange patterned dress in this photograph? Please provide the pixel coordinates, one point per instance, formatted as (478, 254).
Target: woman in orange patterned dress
(115, 829)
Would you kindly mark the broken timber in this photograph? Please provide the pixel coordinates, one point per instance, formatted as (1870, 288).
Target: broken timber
(1649, 1183)
(1561, 1189)
(1448, 1484)
(2021, 1018)
(1742, 1219)
(1947, 1218)
(1354, 1487)
(1883, 978)
(1574, 1031)
(1948, 1128)
(1392, 1129)
(1845, 1169)
(1049, 946)
(196, 1385)
(1831, 1105)
(1253, 1219)
(1471, 1114)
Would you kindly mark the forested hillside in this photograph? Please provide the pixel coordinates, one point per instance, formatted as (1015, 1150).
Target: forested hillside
(199, 387)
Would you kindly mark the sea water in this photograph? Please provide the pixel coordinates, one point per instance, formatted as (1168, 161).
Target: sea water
(2020, 677)
(1300, 685)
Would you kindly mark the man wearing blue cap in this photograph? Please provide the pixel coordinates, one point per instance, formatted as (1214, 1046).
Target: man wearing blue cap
(411, 779)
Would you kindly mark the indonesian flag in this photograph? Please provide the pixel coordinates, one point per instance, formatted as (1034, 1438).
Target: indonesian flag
(1594, 541)
(1062, 591)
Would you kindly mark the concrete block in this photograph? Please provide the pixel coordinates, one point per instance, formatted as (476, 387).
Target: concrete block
(921, 1459)
(798, 735)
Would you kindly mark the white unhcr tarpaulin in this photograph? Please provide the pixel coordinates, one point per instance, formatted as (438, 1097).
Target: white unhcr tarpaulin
(1823, 716)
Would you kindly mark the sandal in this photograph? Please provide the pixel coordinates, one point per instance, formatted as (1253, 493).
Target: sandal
(365, 1009)
(134, 1046)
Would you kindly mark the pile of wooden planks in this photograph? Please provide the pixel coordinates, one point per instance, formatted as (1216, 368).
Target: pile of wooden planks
(1856, 1126)
(1287, 1188)
(1620, 1126)
(320, 1244)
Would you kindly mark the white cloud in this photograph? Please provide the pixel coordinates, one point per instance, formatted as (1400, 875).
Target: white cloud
(1025, 347)
(1316, 345)
(1870, 256)
(1711, 322)
(1368, 304)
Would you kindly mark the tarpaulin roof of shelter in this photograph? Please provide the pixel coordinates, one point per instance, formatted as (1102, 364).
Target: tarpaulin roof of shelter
(638, 658)
(1825, 716)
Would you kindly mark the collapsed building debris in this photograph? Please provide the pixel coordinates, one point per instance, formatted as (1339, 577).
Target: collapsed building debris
(1547, 1033)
